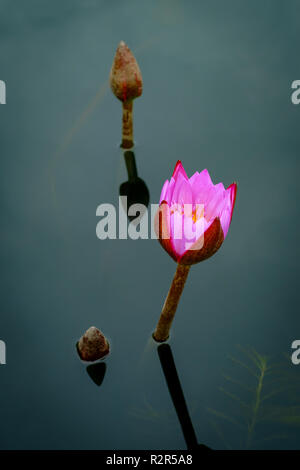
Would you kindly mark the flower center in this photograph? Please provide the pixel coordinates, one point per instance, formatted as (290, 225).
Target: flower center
(195, 211)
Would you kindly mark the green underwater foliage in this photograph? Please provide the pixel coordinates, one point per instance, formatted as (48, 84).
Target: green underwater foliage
(264, 404)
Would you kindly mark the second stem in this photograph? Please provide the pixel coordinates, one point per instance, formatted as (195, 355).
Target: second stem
(127, 125)
(168, 312)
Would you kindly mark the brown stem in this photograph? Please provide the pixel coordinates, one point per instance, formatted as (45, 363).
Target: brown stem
(127, 128)
(168, 312)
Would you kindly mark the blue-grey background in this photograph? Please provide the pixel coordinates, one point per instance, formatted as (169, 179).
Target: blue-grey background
(217, 86)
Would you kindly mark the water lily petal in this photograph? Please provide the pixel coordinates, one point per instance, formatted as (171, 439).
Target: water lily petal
(215, 204)
(226, 215)
(170, 190)
(203, 188)
(177, 239)
(193, 232)
(203, 249)
(182, 193)
(164, 191)
(179, 170)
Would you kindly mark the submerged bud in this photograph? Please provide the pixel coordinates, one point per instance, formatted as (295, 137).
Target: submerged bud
(92, 345)
(125, 75)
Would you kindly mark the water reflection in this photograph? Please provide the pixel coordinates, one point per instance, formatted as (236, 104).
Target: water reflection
(97, 372)
(135, 188)
(174, 386)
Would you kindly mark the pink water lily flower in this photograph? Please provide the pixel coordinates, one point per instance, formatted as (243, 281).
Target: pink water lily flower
(196, 233)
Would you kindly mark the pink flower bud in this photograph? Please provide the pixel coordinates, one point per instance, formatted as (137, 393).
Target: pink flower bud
(207, 217)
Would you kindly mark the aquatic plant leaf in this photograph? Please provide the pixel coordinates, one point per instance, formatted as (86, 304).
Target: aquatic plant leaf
(238, 382)
(240, 363)
(272, 394)
(294, 420)
(286, 415)
(253, 356)
(277, 366)
(142, 414)
(273, 437)
(256, 400)
(219, 414)
(261, 360)
(219, 432)
(148, 413)
(236, 398)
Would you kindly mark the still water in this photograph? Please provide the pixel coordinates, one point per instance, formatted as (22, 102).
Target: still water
(217, 85)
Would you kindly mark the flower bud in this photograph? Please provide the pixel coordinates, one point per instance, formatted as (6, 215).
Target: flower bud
(92, 345)
(209, 225)
(125, 75)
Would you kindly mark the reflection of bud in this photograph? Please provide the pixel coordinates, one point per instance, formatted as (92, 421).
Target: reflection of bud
(92, 345)
(125, 76)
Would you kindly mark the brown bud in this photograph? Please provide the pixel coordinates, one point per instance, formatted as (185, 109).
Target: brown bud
(125, 75)
(92, 345)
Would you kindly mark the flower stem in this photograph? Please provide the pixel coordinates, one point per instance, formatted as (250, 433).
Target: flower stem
(127, 125)
(168, 312)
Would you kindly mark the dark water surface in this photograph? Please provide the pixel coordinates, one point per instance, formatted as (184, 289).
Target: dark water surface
(217, 85)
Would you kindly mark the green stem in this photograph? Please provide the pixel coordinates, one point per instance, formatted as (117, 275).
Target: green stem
(256, 406)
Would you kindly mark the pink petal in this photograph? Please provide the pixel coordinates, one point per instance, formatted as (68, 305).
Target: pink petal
(164, 191)
(176, 233)
(199, 241)
(203, 188)
(215, 205)
(226, 215)
(204, 179)
(233, 189)
(193, 180)
(179, 170)
(182, 193)
(170, 190)
(193, 232)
